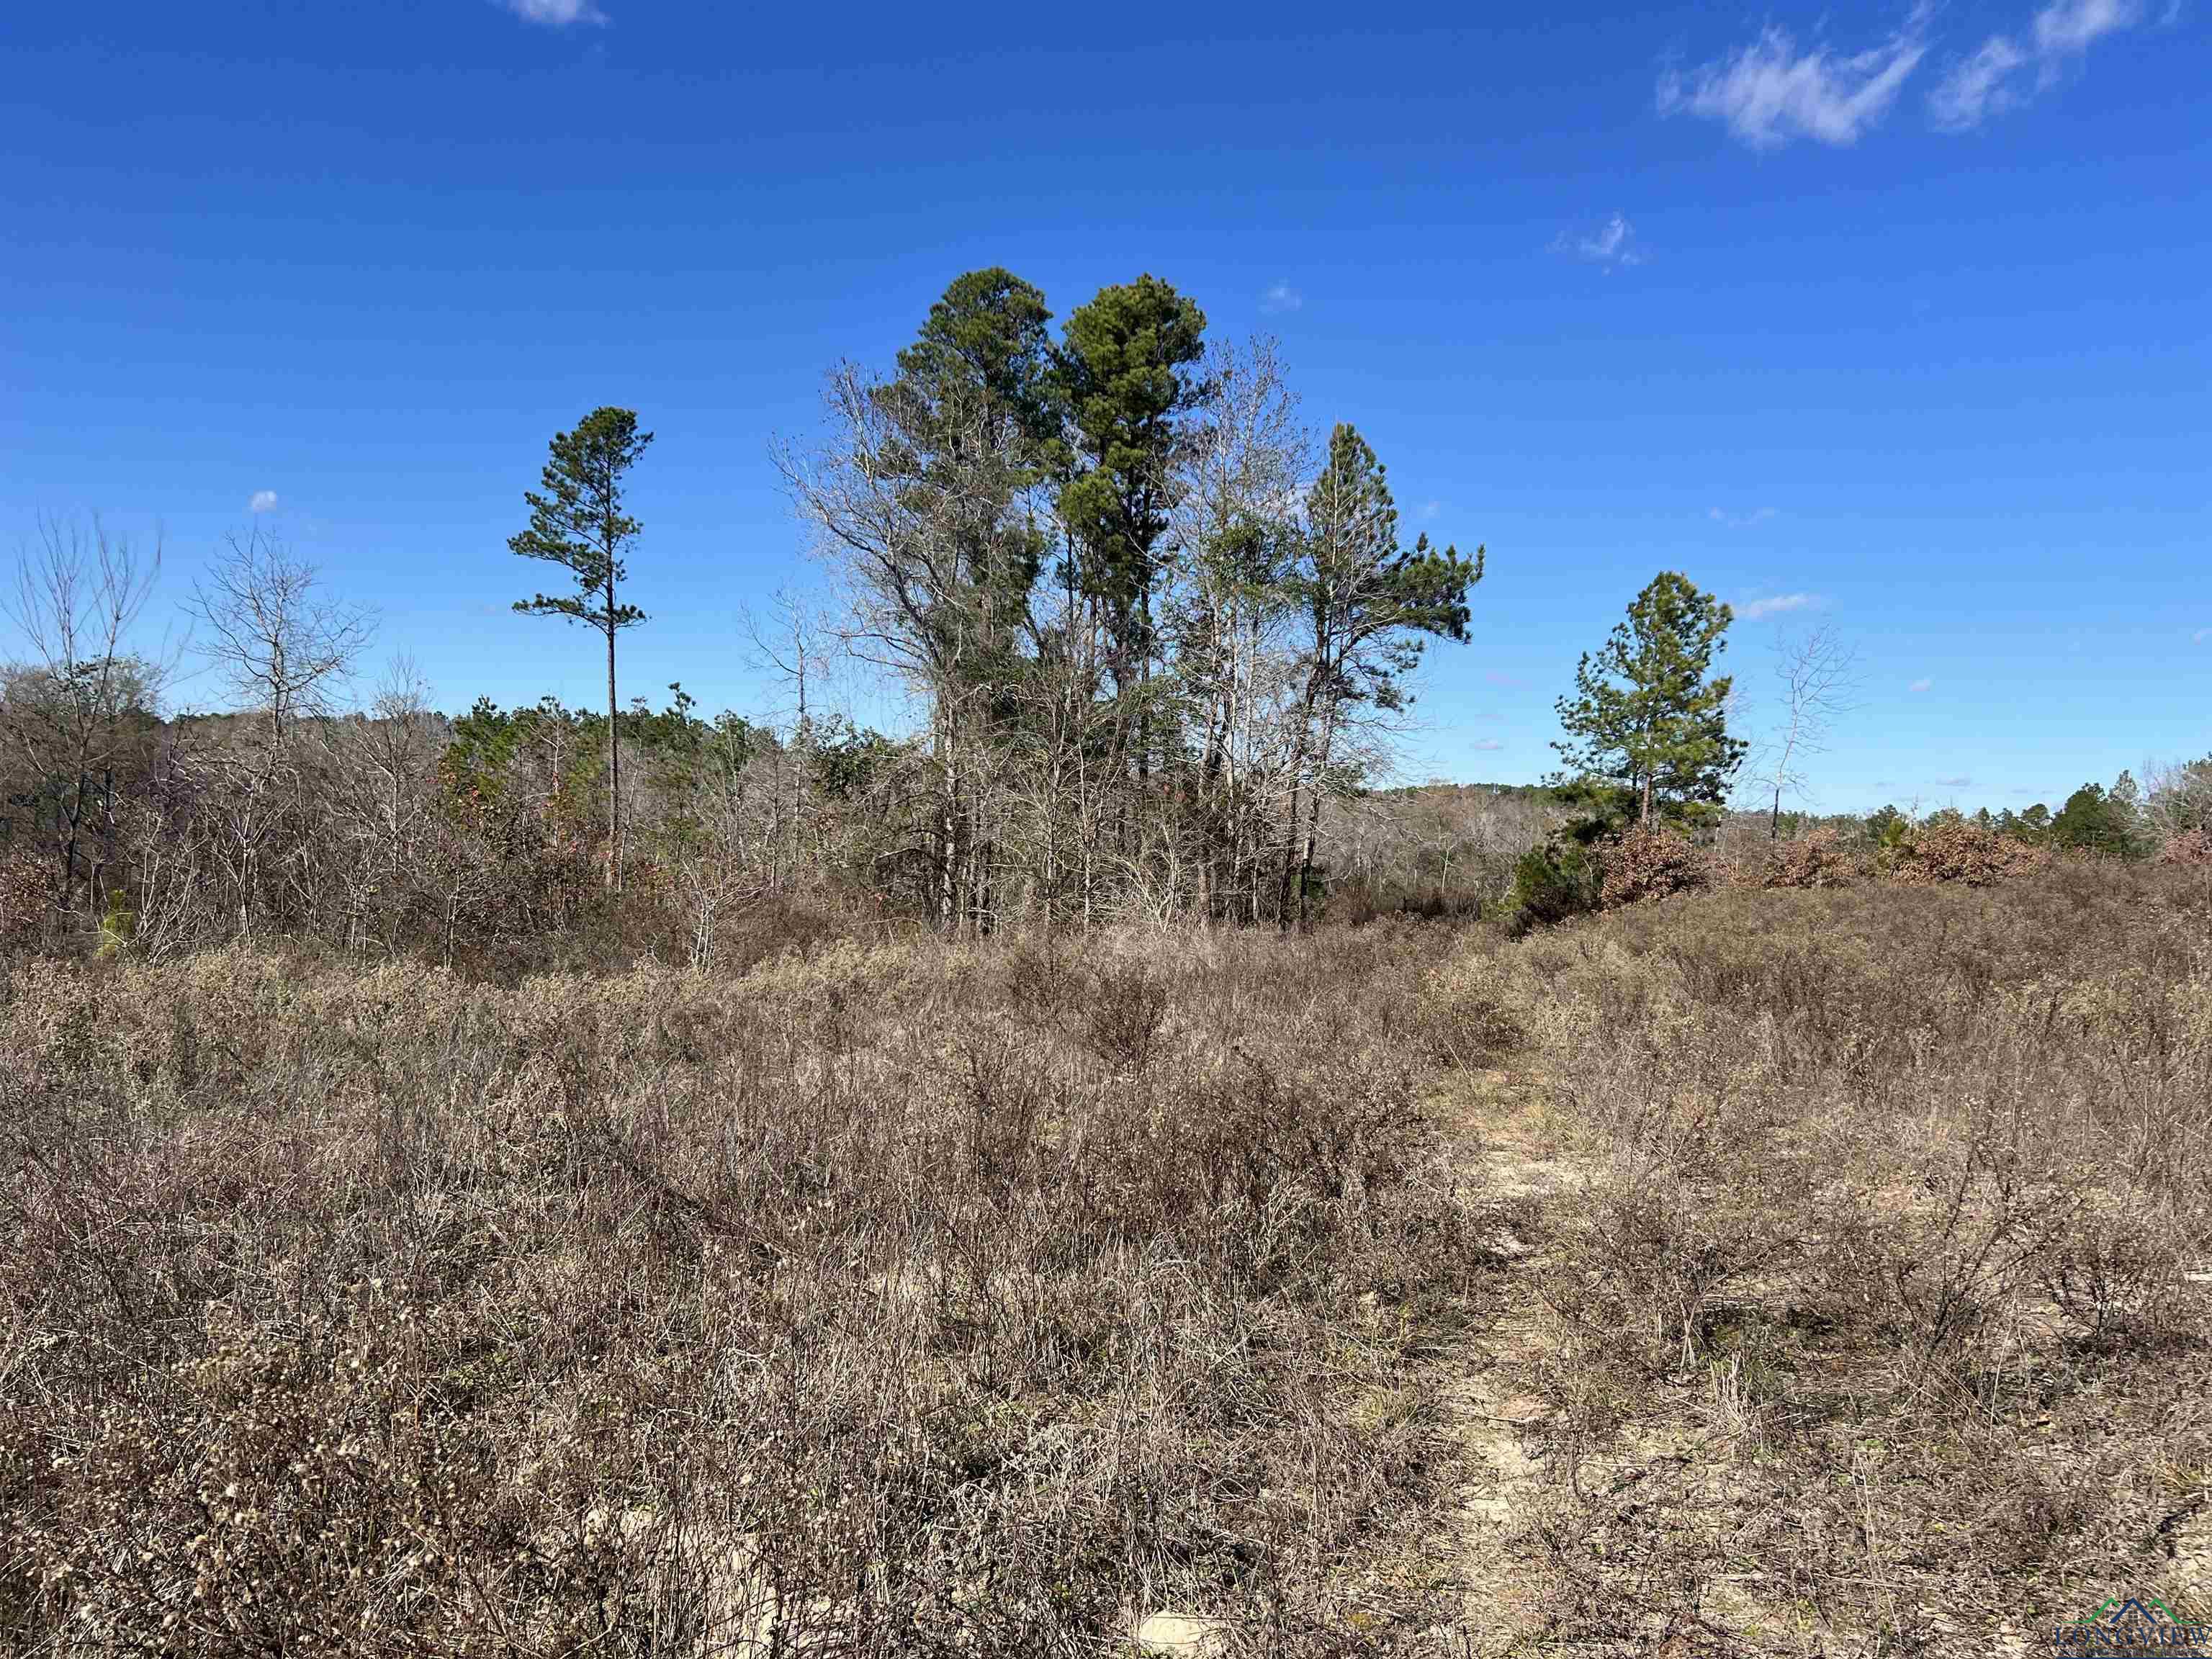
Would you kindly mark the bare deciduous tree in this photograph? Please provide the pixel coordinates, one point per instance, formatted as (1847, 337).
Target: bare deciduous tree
(923, 546)
(80, 698)
(1245, 464)
(1818, 674)
(283, 646)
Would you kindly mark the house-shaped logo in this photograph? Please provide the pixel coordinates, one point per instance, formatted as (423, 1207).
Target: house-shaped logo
(2132, 1623)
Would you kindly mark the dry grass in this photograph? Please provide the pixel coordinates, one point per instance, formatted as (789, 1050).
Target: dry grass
(1880, 1321)
(888, 1301)
(908, 1299)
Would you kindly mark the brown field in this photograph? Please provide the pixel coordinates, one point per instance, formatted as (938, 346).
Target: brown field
(1795, 1272)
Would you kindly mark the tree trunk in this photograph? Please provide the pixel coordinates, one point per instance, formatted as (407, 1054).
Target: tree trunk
(614, 753)
(1305, 865)
(1313, 814)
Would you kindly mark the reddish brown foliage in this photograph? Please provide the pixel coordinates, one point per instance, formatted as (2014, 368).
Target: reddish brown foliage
(2191, 847)
(1952, 850)
(1819, 859)
(1647, 864)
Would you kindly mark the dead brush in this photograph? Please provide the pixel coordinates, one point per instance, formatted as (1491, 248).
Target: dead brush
(850, 1306)
(1913, 1176)
(1125, 1009)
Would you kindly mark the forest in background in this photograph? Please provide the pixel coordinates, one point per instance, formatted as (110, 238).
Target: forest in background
(1158, 637)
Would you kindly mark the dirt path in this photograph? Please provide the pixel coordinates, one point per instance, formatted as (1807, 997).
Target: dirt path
(1485, 1387)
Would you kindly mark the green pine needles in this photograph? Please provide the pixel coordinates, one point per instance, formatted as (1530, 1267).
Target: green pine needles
(1647, 728)
(579, 523)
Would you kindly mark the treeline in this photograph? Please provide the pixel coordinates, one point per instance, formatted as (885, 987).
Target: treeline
(1158, 638)
(2122, 821)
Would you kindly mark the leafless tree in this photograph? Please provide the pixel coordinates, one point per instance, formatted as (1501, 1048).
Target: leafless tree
(80, 698)
(382, 773)
(2178, 799)
(921, 551)
(1243, 470)
(283, 648)
(283, 645)
(1818, 674)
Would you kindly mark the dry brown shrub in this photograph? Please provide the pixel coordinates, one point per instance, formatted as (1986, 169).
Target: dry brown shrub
(25, 896)
(2191, 848)
(857, 1304)
(1470, 1012)
(1897, 1226)
(1818, 859)
(1955, 850)
(1642, 863)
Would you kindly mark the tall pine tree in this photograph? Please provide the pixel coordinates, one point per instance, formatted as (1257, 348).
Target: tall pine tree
(1373, 606)
(579, 523)
(1125, 373)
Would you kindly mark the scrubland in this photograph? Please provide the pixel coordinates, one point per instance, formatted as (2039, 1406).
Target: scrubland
(1749, 1271)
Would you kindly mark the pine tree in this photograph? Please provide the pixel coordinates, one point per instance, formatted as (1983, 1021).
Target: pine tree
(1648, 726)
(579, 523)
(1123, 373)
(1373, 606)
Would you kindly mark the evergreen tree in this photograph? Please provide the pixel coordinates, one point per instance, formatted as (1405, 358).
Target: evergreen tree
(1373, 606)
(2126, 801)
(1648, 726)
(2093, 822)
(974, 407)
(1123, 371)
(579, 523)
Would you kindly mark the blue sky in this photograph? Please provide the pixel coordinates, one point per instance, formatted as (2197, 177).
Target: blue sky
(1891, 320)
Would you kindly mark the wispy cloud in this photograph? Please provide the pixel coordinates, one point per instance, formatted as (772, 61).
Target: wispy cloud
(1431, 509)
(1980, 87)
(1610, 244)
(2075, 25)
(1998, 77)
(1280, 298)
(1769, 93)
(263, 501)
(2200, 636)
(1738, 520)
(1487, 743)
(1953, 783)
(1774, 605)
(1497, 679)
(1920, 685)
(555, 14)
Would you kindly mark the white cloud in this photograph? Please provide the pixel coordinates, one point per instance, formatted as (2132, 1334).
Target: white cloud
(1431, 509)
(555, 14)
(1953, 783)
(1994, 80)
(1610, 244)
(1920, 685)
(1280, 298)
(2200, 636)
(1979, 88)
(1753, 610)
(1489, 743)
(263, 501)
(2067, 26)
(1738, 520)
(1769, 93)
